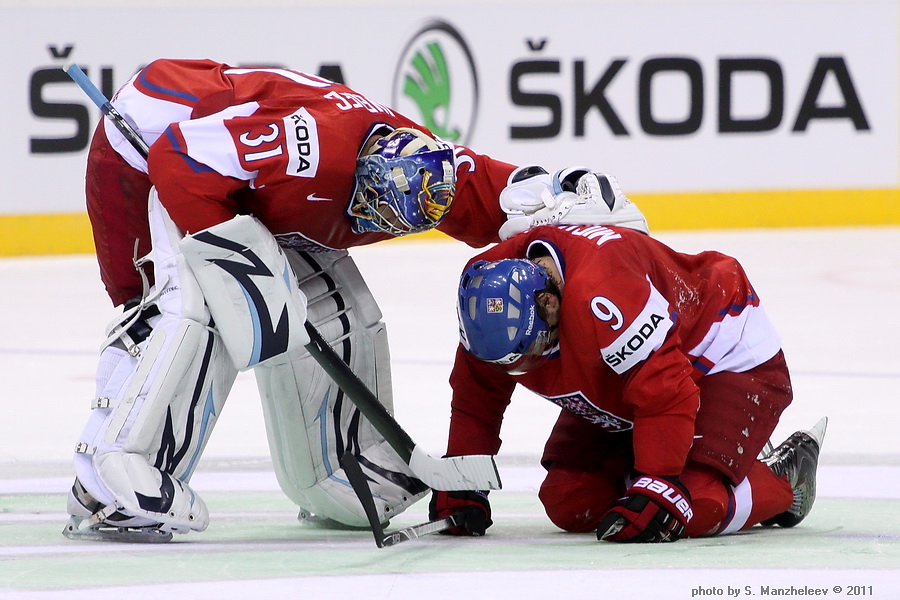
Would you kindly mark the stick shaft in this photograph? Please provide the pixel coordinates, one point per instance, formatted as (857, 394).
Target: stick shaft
(106, 107)
(359, 394)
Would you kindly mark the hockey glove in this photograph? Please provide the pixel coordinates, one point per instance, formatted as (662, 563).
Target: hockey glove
(473, 506)
(654, 509)
(573, 196)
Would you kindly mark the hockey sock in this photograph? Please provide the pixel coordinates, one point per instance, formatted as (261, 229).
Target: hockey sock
(720, 508)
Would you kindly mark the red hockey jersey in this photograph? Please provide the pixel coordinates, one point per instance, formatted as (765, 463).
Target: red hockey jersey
(639, 325)
(281, 145)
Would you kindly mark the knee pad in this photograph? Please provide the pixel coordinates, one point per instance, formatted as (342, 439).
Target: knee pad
(309, 421)
(249, 289)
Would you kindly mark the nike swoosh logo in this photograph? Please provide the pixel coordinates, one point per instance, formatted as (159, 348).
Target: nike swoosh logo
(313, 198)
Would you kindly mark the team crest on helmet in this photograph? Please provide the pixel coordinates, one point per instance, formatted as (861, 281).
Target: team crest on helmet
(495, 305)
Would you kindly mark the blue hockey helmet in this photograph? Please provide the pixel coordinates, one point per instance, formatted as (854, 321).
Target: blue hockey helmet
(405, 182)
(498, 317)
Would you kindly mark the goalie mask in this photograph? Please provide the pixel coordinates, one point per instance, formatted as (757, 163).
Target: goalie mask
(405, 182)
(499, 321)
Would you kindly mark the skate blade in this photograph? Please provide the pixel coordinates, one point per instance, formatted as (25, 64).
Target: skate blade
(818, 431)
(80, 529)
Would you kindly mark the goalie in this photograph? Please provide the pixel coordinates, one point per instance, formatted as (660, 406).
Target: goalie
(256, 183)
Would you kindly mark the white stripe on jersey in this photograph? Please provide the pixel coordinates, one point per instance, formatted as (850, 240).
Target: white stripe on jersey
(740, 342)
(149, 116)
(743, 504)
(209, 142)
(642, 337)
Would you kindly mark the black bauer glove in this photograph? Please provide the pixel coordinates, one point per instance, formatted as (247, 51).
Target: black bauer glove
(654, 509)
(472, 506)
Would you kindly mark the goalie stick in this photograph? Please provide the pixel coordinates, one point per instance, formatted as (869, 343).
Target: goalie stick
(360, 486)
(417, 531)
(476, 472)
(106, 107)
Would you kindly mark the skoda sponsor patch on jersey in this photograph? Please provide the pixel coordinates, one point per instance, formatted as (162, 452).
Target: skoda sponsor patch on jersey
(642, 337)
(302, 139)
(577, 403)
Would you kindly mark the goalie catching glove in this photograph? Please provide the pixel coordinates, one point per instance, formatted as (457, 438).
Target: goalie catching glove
(654, 509)
(573, 196)
(473, 508)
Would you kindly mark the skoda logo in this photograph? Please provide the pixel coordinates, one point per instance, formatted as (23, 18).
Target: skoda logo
(436, 84)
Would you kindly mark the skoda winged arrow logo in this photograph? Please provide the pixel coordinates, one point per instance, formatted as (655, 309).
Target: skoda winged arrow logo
(436, 83)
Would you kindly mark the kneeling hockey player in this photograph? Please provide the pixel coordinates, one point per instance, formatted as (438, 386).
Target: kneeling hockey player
(670, 377)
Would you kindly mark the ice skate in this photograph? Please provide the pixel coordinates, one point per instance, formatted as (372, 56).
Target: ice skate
(89, 521)
(797, 459)
(82, 528)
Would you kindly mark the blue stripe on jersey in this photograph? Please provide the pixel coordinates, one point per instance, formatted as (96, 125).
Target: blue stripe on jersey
(736, 309)
(703, 365)
(196, 167)
(166, 91)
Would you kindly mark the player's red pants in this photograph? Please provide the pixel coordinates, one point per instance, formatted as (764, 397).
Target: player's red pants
(117, 206)
(729, 487)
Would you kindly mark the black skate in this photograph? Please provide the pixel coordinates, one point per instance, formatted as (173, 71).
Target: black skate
(797, 458)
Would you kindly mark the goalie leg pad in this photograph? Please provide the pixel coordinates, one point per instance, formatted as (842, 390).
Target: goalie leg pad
(310, 423)
(155, 407)
(249, 288)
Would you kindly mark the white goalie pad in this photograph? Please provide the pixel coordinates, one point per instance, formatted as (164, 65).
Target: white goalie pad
(250, 290)
(574, 196)
(310, 423)
(158, 398)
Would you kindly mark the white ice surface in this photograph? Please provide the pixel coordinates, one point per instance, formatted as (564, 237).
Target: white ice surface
(833, 293)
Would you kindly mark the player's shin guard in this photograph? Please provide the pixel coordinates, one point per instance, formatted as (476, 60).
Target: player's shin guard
(311, 424)
(161, 384)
